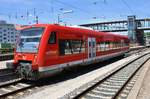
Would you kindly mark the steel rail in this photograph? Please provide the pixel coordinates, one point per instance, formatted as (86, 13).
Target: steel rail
(6, 56)
(85, 92)
(14, 87)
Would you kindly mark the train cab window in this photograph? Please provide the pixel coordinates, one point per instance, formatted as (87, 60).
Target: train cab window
(52, 38)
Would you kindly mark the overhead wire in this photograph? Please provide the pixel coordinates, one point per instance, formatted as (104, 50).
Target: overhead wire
(72, 6)
(127, 5)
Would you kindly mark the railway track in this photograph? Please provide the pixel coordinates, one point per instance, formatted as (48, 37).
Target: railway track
(10, 83)
(138, 51)
(113, 85)
(2, 71)
(14, 87)
(6, 75)
(6, 56)
(6, 72)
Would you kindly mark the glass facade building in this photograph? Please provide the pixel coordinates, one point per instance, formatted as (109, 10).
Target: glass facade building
(8, 33)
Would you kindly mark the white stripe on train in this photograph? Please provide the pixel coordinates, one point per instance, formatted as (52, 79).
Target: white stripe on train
(82, 62)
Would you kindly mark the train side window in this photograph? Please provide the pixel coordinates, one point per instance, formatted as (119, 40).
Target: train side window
(89, 44)
(68, 47)
(78, 46)
(102, 46)
(52, 38)
(65, 47)
(107, 46)
(62, 47)
(93, 44)
(98, 46)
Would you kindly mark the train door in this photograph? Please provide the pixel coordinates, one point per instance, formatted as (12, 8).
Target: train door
(91, 48)
(51, 49)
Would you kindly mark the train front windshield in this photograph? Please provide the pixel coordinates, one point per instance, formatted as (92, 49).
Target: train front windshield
(29, 40)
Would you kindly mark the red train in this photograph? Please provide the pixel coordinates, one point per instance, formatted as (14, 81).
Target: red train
(46, 49)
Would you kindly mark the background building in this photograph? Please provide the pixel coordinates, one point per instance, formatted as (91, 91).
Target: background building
(8, 33)
(147, 38)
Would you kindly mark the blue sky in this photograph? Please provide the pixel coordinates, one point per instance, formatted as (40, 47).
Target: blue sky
(82, 11)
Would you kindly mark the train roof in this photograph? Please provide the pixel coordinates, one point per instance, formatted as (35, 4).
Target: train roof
(79, 30)
(88, 31)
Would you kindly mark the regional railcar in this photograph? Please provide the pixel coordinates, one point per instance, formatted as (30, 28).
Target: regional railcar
(45, 49)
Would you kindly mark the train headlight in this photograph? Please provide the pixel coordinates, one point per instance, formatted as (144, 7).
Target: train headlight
(35, 59)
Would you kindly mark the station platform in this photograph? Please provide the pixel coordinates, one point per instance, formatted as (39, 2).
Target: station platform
(144, 92)
(141, 89)
(3, 64)
(136, 47)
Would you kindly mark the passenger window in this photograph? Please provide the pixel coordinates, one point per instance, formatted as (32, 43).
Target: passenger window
(89, 44)
(93, 44)
(52, 38)
(68, 47)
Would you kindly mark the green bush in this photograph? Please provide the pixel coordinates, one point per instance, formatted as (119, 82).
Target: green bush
(6, 48)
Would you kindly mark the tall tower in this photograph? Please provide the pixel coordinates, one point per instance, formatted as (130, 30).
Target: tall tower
(135, 35)
(132, 28)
